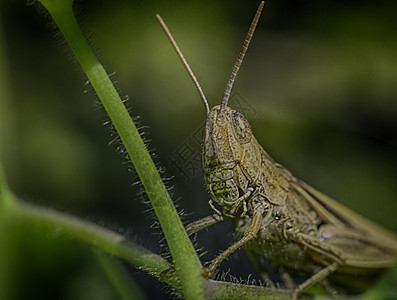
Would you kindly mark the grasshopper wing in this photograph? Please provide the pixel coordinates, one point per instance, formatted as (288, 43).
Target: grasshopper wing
(366, 246)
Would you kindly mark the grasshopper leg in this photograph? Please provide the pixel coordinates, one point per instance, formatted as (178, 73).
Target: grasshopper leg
(249, 235)
(203, 223)
(192, 228)
(333, 254)
(314, 279)
(170, 270)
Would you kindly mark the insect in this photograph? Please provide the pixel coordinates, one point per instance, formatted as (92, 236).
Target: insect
(275, 214)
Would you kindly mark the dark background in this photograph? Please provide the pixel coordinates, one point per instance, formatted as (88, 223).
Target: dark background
(320, 81)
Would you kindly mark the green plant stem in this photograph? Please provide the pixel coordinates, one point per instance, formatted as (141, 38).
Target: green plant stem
(92, 235)
(110, 242)
(117, 245)
(228, 291)
(187, 264)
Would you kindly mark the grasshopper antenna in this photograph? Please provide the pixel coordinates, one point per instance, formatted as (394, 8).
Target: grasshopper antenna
(182, 58)
(240, 58)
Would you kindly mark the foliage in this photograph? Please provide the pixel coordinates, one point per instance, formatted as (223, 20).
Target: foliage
(19, 220)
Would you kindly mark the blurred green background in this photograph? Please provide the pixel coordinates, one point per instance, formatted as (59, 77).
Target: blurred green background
(320, 79)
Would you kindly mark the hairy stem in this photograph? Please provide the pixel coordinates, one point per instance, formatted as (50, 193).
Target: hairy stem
(117, 245)
(187, 264)
(110, 242)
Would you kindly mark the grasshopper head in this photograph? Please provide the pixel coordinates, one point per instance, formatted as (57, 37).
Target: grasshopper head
(231, 157)
(231, 153)
(226, 132)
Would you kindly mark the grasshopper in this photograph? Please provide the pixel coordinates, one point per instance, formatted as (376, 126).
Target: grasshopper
(275, 214)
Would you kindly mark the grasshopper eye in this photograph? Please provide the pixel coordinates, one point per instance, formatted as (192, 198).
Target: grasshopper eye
(241, 127)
